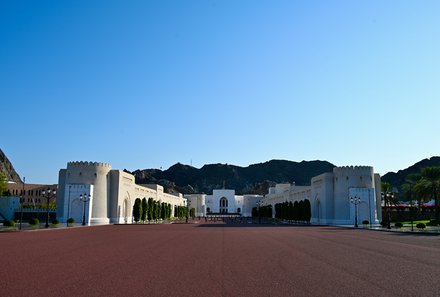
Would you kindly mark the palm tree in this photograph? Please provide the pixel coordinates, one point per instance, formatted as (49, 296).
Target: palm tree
(386, 197)
(409, 191)
(429, 186)
(408, 187)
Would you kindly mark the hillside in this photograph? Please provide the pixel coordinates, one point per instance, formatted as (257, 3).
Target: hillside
(254, 179)
(398, 179)
(7, 168)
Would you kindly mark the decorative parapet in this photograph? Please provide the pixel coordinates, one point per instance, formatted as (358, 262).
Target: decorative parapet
(87, 164)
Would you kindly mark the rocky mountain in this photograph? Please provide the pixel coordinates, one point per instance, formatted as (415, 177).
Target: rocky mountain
(254, 179)
(397, 179)
(7, 168)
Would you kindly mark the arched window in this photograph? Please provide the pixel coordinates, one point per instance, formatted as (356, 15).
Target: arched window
(223, 205)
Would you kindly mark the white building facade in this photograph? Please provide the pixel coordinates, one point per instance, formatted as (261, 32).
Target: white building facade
(223, 202)
(330, 196)
(110, 194)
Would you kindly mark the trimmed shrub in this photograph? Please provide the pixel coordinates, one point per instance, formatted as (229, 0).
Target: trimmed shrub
(365, 222)
(398, 225)
(34, 221)
(55, 222)
(421, 226)
(137, 210)
(9, 223)
(70, 222)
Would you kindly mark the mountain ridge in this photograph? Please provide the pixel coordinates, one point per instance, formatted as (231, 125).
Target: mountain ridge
(252, 179)
(397, 179)
(7, 168)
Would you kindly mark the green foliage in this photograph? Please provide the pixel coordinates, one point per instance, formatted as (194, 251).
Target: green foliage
(307, 210)
(34, 222)
(296, 214)
(430, 185)
(432, 223)
(144, 209)
(297, 211)
(385, 187)
(137, 210)
(290, 211)
(150, 208)
(70, 221)
(365, 222)
(398, 225)
(301, 211)
(9, 223)
(55, 222)
(3, 184)
(421, 225)
(254, 212)
(192, 212)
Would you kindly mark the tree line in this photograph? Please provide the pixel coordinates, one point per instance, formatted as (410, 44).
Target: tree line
(420, 187)
(262, 211)
(298, 211)
(150, 210)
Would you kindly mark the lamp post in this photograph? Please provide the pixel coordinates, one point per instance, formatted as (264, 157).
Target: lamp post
(355, 200)
(48, 194)
(68, 208)
(386, 197)
(259, 214)
(318, 204)
(84, 198)
(21, 202)
(411, 206)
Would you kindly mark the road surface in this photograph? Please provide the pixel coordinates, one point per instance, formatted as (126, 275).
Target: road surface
(218, 259)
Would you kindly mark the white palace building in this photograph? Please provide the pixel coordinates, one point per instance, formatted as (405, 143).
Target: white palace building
(112, 194)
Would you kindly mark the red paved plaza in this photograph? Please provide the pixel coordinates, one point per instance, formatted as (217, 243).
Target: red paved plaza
(218, 260)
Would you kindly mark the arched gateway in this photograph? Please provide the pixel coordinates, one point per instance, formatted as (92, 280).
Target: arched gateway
(223, 205)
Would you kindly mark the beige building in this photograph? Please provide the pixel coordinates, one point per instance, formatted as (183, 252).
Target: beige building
(332, 196)
(104, 195)
(33, 195)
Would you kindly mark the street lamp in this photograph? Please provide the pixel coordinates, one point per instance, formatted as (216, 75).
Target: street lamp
(187, 210)
(318, 203)
(21, 202)
(259, 214)
(355, 200)
(386, 197)
(84, 198)
(48, 194)
(68, 208)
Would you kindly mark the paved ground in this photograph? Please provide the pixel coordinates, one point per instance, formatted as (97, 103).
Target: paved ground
(218, 260)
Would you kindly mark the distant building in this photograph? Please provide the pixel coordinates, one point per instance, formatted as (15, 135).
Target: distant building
(223, 202)
(110, 194)
(329, 195)
(31, 195)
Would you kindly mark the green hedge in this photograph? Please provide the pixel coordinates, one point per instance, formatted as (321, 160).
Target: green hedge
(421, 226)
(34, 221)
(9, 223)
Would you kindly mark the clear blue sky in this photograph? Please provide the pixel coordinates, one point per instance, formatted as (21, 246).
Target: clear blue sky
(146, 84)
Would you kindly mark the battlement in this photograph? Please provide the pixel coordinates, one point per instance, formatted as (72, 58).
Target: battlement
(88, 164)
(352, 168)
